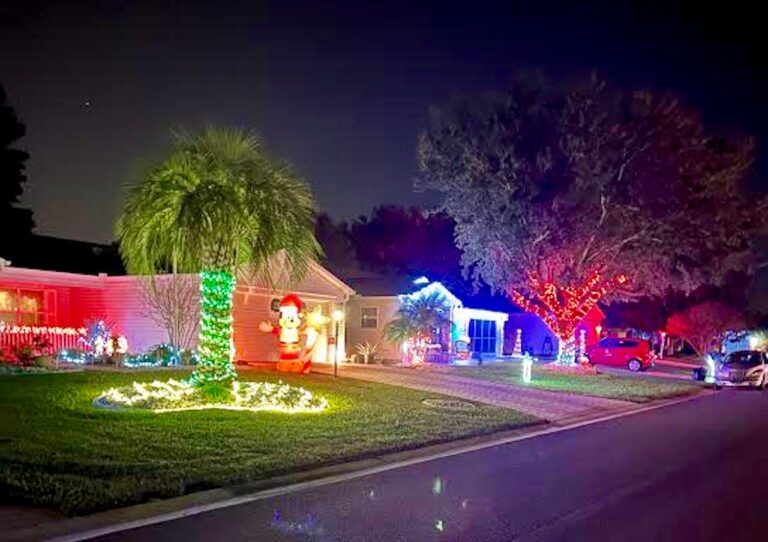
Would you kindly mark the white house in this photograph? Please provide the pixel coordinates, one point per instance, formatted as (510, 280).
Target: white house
(378, 299)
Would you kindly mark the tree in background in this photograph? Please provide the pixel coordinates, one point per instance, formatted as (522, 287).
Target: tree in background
(406, 241)
(416, 322)
(564, 198)
(217, 203)
(338, 249)
(15, 222)
(704, 324)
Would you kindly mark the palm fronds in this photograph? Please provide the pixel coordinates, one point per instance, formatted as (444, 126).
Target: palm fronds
(418, 317)
(218, 201)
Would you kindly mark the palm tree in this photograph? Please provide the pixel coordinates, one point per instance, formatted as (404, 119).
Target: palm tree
(417, 319)
(216, 203)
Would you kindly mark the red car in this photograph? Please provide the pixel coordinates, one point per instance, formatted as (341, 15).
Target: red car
(634, 354)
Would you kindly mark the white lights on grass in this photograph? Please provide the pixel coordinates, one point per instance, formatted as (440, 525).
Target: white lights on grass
(176, 395)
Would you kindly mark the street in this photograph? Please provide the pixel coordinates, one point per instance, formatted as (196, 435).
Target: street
(693, 471)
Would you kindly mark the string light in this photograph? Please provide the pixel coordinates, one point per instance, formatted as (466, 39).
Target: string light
(517, 352)
(41, 330)
(562, 308)
(176, 395)
(527, 366)
(215, 343)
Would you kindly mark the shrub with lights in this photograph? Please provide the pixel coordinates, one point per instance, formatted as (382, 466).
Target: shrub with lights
(162, 355)
(218, 205)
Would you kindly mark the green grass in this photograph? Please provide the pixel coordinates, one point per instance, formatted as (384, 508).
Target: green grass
(57, 450)
(628, 388)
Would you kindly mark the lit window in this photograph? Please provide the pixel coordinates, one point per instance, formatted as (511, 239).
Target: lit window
(25, 307)
(369, 317)
(482, 336)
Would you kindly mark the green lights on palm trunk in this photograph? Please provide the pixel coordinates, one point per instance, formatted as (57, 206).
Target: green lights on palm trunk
(215, 345)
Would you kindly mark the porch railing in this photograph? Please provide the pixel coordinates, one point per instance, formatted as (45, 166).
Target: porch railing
(47, 339)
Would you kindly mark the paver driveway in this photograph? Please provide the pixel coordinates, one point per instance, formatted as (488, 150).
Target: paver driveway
(558, 407)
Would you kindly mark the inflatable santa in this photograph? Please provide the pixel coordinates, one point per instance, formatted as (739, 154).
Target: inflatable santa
(294, 358)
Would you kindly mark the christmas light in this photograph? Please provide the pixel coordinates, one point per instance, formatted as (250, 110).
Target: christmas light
(176, 396)
(527, 366)
(215, 342)
(41, 330)
(517, 352)
(562, 308)
(582, 344)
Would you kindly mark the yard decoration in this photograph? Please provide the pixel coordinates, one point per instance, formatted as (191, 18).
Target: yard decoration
(291, 324)
(527, 365)
(178, 395)
(517, 351)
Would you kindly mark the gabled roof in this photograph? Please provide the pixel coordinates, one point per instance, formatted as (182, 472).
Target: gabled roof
(330, 277)
(435, 287)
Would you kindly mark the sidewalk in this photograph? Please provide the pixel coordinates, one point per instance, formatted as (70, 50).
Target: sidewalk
(552, 406)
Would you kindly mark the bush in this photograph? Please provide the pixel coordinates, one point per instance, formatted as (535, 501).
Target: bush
(162, 355)
(43, 362)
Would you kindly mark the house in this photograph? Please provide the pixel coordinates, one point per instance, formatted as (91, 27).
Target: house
(379, 298)
(58, 304)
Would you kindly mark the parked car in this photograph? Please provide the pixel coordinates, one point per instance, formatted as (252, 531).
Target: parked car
(745, 368)
(634, 354)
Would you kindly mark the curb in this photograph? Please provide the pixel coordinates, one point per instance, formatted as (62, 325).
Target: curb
(123, 519)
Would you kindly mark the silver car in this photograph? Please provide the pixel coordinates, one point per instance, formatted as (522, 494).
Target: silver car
(745, 368)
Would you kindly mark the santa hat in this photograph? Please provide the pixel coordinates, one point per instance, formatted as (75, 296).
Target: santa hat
(291, 300)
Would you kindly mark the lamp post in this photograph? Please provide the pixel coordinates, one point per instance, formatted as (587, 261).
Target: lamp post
(337, 315)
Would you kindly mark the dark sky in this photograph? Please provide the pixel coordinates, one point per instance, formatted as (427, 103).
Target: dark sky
(341, 90)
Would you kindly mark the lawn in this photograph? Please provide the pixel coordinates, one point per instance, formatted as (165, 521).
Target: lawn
(629, 388)
(57, 450)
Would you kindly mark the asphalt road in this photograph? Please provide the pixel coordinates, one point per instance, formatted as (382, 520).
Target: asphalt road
(693, 471)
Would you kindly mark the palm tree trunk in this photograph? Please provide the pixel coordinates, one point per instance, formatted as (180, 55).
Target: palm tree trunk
(215, 342)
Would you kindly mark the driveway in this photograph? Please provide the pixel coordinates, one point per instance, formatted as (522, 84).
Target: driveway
(555, 407)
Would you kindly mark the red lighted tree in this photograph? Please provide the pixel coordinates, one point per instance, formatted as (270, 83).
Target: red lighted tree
(703, 324)
(564, 198)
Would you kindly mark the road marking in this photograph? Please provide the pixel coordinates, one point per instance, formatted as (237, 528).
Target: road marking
(335, 479)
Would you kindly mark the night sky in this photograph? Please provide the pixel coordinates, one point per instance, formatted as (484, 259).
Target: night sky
(341, 92)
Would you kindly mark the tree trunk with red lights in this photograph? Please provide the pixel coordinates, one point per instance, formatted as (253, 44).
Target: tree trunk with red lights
(563, 307)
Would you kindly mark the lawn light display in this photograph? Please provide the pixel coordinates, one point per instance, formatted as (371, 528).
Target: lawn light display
(562, 308)
(517, 352)
(179, 395)
(292, 323)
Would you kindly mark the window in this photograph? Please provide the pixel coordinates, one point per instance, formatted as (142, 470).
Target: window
(25, 307)
(482, 336)
(369, 317)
